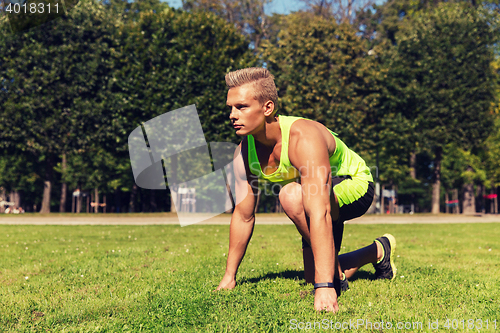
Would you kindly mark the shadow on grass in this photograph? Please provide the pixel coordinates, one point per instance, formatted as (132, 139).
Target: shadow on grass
(288, 274)
(362, 275)
(299, 275)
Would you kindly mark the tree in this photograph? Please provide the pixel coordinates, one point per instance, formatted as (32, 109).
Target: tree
(247, 16)
(343, 11)
(19, 176)
(382, 21)
(444, 56)
(323, 72)
(173, 59)
(52, 87)
(130, 10)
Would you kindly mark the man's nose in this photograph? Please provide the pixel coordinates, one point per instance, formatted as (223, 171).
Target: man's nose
(232, 115)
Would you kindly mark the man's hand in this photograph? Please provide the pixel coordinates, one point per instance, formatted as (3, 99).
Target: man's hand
(228, 282)
(326, 299)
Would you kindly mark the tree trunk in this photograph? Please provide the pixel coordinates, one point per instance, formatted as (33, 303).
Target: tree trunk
(492, 204)
(496, 201)
(104, 202)
(73, 199)
(469, 204)
(3, 197)
(382, 203)
(47, 186)
(64, 187)
(79, 202)
(142, 199)
(118, 201)
(153, 207)
(436, 185)
(456, 209)
(413, 165)
(277, 206)
(413, 172)
(172, 184)
(96, 196)
(391, 202)
(446, 199)
(173, 198)
(15, 197)
(483, 199)
(131, 204)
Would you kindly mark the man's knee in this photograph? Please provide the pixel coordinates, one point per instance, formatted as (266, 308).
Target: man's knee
(291, 198)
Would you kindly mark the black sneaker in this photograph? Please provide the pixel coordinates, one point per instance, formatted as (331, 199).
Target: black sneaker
(340, 285)
(344, 284)
(386, 268)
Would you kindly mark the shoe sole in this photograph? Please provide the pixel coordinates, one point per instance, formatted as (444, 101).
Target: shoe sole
(392, 242)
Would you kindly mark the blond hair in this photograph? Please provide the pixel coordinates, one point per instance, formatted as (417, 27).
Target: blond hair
(262, 79)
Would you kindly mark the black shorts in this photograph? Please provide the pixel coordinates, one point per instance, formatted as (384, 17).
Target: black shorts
(348, 212)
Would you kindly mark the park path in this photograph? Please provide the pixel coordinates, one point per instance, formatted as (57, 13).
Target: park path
(167, 218)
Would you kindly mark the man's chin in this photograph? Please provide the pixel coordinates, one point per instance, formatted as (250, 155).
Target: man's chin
(241, 132)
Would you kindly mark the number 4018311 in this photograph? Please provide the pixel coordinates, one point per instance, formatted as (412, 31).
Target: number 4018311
(32, 8)
(472, 324)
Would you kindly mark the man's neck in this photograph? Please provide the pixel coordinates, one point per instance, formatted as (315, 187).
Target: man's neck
(270, 134)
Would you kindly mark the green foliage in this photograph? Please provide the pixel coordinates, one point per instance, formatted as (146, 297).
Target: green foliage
(323, 73)
(53, 79)
(383, 21)
(247, 16)
(84, 82)
(173, 59)
(130, 10)
(461, 167)
(20, 172)
(445, 58)
(441, 83)
(491, 154)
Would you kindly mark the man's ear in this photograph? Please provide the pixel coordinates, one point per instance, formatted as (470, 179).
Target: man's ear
(268, 108)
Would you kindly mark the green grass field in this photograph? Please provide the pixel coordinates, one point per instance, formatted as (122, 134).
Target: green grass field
(160, 279)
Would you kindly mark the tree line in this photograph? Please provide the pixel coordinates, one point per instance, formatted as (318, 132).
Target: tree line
(411, 85)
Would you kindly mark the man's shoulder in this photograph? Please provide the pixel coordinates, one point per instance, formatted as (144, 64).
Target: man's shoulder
(308, 135)
(306, 128)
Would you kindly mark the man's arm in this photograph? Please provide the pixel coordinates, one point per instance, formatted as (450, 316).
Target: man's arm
(242, 221)
(308, 152)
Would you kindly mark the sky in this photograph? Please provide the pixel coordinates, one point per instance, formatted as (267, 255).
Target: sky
(276, 6)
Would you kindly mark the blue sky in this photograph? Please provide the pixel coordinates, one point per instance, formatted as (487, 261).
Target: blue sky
(277, 6)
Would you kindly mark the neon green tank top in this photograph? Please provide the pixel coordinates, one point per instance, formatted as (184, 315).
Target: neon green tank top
(343, 161)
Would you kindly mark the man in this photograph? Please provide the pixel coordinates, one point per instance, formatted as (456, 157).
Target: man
(325, 183)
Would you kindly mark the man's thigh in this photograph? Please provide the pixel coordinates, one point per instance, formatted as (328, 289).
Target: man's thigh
(354, 196)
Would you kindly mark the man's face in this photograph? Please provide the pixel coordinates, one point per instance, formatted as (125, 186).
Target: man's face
(247, 114)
